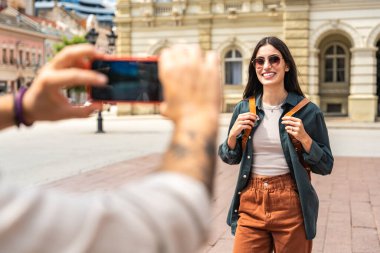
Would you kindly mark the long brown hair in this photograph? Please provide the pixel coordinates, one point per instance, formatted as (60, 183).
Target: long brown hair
(254, 87)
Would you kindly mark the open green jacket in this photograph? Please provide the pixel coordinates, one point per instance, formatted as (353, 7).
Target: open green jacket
(320, 158)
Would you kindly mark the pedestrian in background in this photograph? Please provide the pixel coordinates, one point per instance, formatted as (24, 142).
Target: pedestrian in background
(275, 206)
(165, 212)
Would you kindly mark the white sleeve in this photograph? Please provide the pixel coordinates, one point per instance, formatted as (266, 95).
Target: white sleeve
(165, 212)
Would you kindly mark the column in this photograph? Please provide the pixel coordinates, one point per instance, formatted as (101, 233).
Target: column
(123, 22)
(205, 24)
(362, 101)
(296, 31)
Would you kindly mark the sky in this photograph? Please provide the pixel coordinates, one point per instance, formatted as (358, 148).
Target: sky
(110, 3)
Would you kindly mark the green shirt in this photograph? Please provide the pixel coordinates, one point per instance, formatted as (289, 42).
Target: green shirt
(320, 158)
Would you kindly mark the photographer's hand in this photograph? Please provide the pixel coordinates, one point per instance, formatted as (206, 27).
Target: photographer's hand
(192, 100)
(45, 101)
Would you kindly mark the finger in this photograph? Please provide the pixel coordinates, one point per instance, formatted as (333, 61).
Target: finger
(247, 116)
(253, 118)
(246, 127)
(290, 118)
(73, 77)
(240, 128)
(289, 129)
(166, 63)
(97, 106)
(163, 109)
(164, 59)
(81, 111)
(288, 122)
(71, 55)
(247, 122)
(286, 118)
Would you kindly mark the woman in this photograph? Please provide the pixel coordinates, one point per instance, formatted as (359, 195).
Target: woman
(275, 207)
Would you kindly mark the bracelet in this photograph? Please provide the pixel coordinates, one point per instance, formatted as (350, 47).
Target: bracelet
(19, 115)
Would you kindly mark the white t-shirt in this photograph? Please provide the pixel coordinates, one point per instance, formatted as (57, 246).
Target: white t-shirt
(166, 212)
(269, 159)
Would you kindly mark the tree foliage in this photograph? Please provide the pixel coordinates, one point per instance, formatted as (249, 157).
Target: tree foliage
(67, 42)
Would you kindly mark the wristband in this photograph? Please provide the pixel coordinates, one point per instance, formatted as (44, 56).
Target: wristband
(19, 114)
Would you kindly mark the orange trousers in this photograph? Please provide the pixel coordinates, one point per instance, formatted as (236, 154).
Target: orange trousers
(270, 218)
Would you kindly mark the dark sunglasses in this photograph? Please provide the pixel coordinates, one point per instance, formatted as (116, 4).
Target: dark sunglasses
(272, 59)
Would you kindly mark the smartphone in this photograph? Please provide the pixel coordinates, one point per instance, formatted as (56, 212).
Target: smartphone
(130, 79)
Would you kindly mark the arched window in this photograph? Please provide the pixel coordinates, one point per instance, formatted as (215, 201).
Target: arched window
(233, 64)
(335, 64)
(334, 86)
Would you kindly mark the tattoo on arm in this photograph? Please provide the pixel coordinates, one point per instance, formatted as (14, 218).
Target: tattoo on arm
(194, 154)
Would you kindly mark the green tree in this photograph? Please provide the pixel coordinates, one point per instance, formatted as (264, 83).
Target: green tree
(67, 42)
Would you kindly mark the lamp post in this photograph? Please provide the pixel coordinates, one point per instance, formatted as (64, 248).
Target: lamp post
(91, 37)
(111, 40)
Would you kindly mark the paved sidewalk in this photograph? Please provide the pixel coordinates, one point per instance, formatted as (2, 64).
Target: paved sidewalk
(349, 220)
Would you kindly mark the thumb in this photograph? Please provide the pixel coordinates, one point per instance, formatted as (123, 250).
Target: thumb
(164, 109)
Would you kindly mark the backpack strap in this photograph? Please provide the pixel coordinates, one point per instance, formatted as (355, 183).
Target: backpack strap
(247, 132)
(296, 143)
(298, 107)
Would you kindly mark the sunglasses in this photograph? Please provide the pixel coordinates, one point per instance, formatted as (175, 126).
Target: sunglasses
(273, 60)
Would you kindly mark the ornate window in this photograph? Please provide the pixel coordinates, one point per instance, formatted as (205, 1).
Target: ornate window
(233, 67)
(334, 87)
(335, 64)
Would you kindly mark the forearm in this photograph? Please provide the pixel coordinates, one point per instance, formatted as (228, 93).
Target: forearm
(134, 216)
(192, 150)
(231, 142)
(306, 143)
(6, 111)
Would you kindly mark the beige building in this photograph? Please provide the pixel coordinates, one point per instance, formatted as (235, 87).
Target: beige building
(335, 43)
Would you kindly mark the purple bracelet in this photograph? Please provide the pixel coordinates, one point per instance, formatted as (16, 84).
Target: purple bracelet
(19, 115)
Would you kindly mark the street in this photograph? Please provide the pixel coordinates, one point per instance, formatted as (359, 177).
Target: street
(69, 156)
(51, 151)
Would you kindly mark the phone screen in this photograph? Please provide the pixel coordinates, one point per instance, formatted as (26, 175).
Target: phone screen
(128, 80)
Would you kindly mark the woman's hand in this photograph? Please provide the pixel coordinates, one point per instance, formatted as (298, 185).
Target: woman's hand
(244, 121)
(294, 126)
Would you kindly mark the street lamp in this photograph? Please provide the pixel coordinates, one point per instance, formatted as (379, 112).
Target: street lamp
(91, 37)
(111, 40)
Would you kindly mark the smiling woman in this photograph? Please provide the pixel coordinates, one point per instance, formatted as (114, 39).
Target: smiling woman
(275, 206)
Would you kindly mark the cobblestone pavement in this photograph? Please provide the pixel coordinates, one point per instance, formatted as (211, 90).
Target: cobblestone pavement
(68, 155)
(349, 220)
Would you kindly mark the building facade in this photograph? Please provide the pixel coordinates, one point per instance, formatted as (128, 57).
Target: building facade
(22, 50)
(104, 10)
(335, 43)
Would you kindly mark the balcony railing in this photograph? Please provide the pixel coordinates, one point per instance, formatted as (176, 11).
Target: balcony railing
(233, 5)
(163, 9)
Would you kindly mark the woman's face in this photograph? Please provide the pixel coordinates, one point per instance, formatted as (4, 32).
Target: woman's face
(270, 66)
